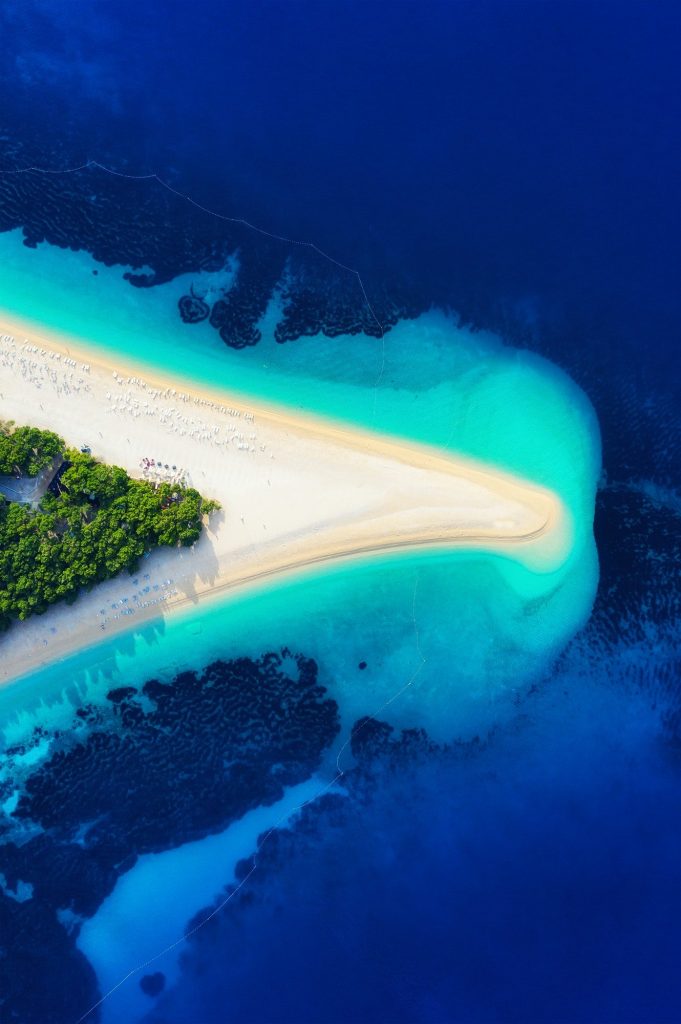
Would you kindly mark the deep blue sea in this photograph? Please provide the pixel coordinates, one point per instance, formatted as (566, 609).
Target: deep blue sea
(511, 170)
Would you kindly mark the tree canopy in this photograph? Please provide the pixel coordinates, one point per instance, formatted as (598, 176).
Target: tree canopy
(100, 522)
(27, 450)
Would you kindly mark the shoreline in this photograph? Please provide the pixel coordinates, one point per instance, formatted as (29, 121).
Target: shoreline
(326, 492)
(61, 652)
(78, 347)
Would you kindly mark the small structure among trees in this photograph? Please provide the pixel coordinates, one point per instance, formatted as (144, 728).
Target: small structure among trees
(29, 460)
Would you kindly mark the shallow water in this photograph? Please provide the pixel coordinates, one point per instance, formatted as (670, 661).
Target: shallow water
(173, 887)
(436, 382)
(517, 164)
(445, 640)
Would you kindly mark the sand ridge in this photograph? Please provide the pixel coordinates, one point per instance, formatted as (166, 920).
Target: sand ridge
(296, 490)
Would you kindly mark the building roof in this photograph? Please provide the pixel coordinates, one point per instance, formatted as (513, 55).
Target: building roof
(28, 490)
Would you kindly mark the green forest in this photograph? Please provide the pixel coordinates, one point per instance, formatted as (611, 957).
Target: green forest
(27, 450)
(100, 522)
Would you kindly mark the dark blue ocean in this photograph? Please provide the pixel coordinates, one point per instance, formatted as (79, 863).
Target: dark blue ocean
(515, 163)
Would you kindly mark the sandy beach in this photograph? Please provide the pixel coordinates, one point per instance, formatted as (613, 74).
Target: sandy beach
(296, 490)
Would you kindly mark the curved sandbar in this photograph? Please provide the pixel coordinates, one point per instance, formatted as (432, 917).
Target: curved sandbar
(296, 490)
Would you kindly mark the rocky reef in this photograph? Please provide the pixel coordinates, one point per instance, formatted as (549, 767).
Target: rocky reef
(156, 768)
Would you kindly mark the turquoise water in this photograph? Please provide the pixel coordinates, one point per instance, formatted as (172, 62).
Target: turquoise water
(452, 633)
(513, 162)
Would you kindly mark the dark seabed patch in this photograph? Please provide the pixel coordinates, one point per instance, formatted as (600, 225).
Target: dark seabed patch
(157, 768)
(155, 231)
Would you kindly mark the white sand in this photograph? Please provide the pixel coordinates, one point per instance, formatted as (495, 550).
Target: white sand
(295, 490)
